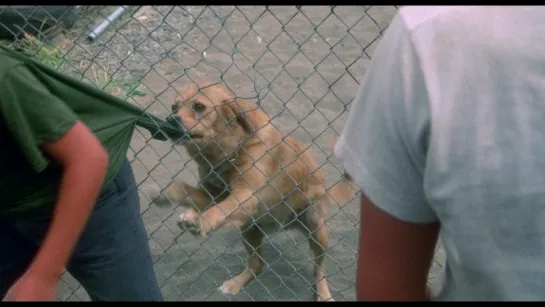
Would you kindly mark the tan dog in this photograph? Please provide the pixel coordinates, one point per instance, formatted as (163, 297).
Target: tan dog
(251, 177)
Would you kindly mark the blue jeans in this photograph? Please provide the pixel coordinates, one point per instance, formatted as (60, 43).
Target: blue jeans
(112, 259)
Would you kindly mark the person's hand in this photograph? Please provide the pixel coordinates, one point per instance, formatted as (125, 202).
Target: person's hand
(32, 288)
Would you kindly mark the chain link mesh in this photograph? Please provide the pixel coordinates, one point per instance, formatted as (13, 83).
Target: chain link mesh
(301, 63)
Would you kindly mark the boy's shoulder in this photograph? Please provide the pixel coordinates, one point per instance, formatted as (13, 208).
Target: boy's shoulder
(417, 16)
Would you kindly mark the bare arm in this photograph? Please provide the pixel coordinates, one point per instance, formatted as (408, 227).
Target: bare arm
(394, 256)
(84, 163)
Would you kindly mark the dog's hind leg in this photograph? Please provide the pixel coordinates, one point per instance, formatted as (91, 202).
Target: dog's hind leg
(318, 240)
(252, 238)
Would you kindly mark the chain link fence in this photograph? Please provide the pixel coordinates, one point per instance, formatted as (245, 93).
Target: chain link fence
(302, 65)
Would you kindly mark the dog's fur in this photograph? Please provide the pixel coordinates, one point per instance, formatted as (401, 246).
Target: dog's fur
(251, 177)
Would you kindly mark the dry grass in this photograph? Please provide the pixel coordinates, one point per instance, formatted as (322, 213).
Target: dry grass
(52, 51)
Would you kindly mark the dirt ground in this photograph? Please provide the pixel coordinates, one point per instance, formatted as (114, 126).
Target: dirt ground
(301, 65)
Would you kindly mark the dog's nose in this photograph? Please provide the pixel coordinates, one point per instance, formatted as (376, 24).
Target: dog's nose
(174, 120)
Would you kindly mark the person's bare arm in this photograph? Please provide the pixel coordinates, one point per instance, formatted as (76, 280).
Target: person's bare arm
(84, 162)
(394, 256)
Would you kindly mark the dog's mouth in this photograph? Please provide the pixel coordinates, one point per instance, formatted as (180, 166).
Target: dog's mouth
(188, 137)
(194, 136)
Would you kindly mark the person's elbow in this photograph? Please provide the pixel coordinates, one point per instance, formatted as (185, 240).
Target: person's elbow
(97, 158)
(96, 154)
(79, 148)
(93, 160)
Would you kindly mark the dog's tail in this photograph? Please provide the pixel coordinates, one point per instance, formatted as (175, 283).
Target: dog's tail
(343, 190)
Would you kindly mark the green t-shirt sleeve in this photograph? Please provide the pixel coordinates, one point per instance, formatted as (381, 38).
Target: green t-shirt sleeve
(32, 113)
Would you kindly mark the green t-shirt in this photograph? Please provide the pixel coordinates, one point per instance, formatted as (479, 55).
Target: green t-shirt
(39, 104)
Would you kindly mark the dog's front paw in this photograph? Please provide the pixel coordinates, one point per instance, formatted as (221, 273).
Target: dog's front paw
(190, 221)
(328, 299)
(230, 287)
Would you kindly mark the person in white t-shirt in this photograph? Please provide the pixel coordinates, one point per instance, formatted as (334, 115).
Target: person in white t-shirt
(447, 136)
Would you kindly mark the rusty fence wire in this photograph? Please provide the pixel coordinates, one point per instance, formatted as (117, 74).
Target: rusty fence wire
(300, 64)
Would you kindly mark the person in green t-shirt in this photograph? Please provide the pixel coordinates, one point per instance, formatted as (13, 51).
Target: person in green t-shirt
(68, 197)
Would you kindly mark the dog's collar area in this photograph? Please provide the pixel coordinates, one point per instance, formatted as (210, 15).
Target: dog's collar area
(215, 171)
(229, 159)
(193, 136)
(233, 158)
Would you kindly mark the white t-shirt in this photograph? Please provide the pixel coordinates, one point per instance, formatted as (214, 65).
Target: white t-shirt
(449, 126)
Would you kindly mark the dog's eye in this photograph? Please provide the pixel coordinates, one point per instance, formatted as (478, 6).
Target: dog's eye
(174, 108)
(198, 107)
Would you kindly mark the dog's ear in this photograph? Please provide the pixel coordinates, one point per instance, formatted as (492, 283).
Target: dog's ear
(248, 115)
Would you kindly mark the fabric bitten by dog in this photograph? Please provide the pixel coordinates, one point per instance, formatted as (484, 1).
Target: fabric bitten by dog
(449, 126)
(39, 104)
